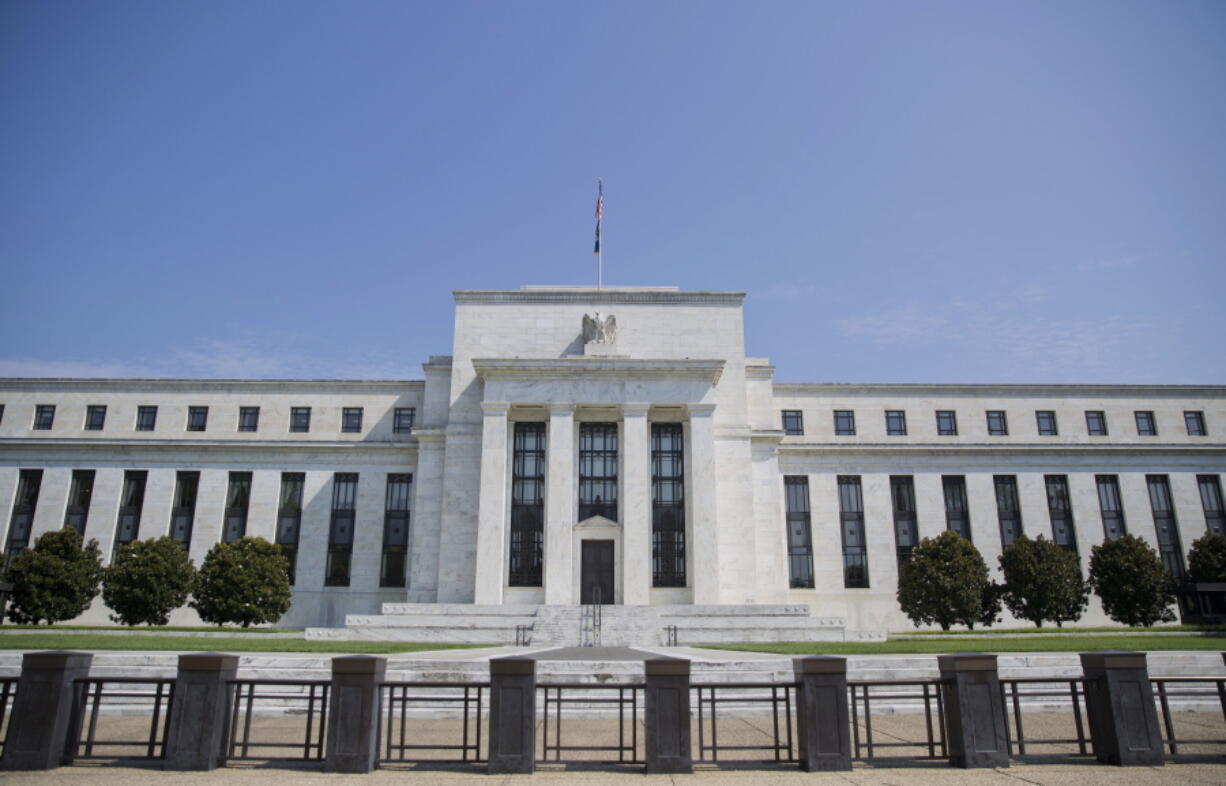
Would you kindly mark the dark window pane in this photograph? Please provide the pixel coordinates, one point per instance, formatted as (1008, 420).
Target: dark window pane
(1008, 511)
(527, 505)
(947, 423)
(289, 517)
(598, 470)
(146, 418)
(998, 425)
(300, 419)
(895, 422)
(1096, 423)
(906, 530)
(402, 419)
(1060, 508)
(668, 505)
(957, 514)
(855, 553)
(1145, 424)
(197, 418)
(340, 529)
(131, 503)
(1195, 422)
(395, 530)
(1211, 500)
(248, 418)
(29, 481)
(351, 420)
(1047, 423)
(183, 509)
(238, 497)
(845, 422)
(799, 532)
(95, 417)
(79, 495)
(1110, 505)
(44, 417)
(793, 422)
(1165, 525)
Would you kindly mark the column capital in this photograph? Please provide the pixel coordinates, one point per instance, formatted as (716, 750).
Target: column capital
(495, 408)
(561, 408)
(635, 410)
(701, 410)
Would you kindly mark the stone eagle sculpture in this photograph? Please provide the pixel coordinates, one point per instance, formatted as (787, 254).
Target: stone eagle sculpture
(599, 331)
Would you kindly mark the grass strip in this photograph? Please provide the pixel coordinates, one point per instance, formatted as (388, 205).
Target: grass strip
(984, 644)
(985, 633)
(57, 641)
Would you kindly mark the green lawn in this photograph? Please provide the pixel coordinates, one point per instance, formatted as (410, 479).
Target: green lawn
(988, 644)
(1068, 631)
(68, 641)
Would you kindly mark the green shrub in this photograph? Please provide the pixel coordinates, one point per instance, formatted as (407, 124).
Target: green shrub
(1043, 582)
(245, 581)
(944, 582)
(55, 580)
(1128, 576)
(147, 580)
(1207, 559)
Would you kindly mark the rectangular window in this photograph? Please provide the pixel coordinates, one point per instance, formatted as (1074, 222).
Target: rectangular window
(527, 505)
(1110, 505)
(1046, 420)
(1165, 525)
(845, 422)
(402, 419)
(28, 484)
(238, 499)
(1211, 501)
(131, 503)
(957, 514)
(1, 413)
(998, 424)
(351, 420)
(1008, 511)
(896, 422)
(1096, 423)
(947, 423)
(793, 422)
(1060, 508)
(183, 508)
(800, 533)
(851, 519)
(248, 418)
(667, 505)
(79, 495)
(44, 417)
(289, 518)
(395, 530)
(1145, 424)
(340, 529)
(299, 420)
(906, 531)
(1195, 422)
(597, 470)
(95, 417)
(197, 418)
(146, 418)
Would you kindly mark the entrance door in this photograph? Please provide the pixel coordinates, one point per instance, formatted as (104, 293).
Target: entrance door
(596, 572)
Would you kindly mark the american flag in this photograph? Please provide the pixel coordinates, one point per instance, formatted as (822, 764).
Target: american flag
(599, 213)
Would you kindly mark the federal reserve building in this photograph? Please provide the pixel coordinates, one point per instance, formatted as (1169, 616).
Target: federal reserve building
(605, 448)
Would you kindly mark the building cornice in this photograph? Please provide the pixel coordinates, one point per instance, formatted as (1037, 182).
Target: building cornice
(596, 367)
(594, 296)
(834, 389)
(1014, 449)
(9, 445)
(54, 384)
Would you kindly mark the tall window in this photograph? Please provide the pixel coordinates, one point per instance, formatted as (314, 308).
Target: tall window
(1211, 501)
(957, 514)
(998, 424)
(851, 519)
(44, 417)
(896, 422)
(299, 420)
(1, 413)
(28, 484)
(845, 422)
(79, 495)
(197, 418)
(527, 504)
(947, 423)
(351, 420)
(131, 502)
(238, 499)
(1145, 424)
(95, 417)
(1165, 525)
(1008, 511)
(793, 422)
(146, 418)
(1046, 420)
(402, 419)
(183, 510)
(598, 470)
(1096, 423)
(248, 418)
(906, 532)
(395, 530)
(800, 533)
(340, 530)
(1110, 505)
(667, 505)
(1195, 421)
(1060, 508)
(289, 518)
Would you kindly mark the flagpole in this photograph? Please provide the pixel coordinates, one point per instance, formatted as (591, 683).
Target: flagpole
(600, 234)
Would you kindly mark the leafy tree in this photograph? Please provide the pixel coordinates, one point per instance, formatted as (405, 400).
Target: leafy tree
(944, 582)
(1207, 559)
(55, 580)
(1043, 582)
(989, 611)
(1128, 576)
(147, 580)
(245, 581)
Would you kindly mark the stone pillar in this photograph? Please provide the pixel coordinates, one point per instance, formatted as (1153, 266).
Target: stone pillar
(353, 713)
(1120, 705)
(427, 518)
(491, 516)
(512, 715)
(703, 562)
(199, 712)
(44, 713)
(634, 506)
(821, 713)
(974, 711)
(667, 716)
(560, 505)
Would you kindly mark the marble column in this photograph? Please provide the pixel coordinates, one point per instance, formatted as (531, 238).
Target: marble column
(559, 504)
(703, 560)
(491, 517)
(634, 506)
(427, 518)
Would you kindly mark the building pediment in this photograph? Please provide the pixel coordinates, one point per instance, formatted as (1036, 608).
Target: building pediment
(597, 522)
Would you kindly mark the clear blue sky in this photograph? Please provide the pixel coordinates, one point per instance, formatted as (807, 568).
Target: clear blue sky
(908, 191)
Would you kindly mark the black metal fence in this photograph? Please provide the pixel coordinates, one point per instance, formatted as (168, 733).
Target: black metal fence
(1049, 691)
(779, 697)
(922, 692)
(1203, 688)
(131, 695)
(401, 703)
(589, 696)
(8, 692)
(302, 703)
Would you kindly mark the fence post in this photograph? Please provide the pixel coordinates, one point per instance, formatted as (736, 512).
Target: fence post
(353, 713)
(667, 716)
(1120, 704)
(199, 711)
(821, 713)
(45, 720)
(512, 715)
(974, 710)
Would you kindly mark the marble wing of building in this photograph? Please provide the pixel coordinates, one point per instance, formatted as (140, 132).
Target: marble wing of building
(614, 446)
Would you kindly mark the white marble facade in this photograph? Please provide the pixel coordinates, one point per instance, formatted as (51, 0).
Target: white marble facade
(674, 357)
